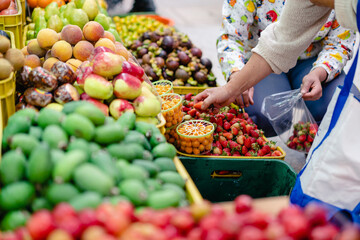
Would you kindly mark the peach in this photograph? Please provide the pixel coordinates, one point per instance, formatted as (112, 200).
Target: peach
(25, 51)
(105, 42)
(34, 48)
(47, 38)
(49, 63)
(62, 50)
(74, 63)
(109, 35)
(121, 50)
(93, 31)
(83, 50)
(32, 61)
(71, 34)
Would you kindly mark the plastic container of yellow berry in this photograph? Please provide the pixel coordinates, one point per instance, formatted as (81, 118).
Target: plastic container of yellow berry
(195, 136)
(171, 135)
(163, 87)
(171, 109)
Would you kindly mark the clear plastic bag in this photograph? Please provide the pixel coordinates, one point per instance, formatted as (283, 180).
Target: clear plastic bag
(291, 119)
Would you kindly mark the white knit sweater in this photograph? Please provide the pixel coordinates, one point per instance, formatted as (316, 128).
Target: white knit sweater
(282, 42)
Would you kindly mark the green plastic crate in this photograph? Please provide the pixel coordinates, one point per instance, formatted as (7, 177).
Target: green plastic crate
(220, 180)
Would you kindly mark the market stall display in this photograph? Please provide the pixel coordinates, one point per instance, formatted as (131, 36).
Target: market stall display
(81, 156)
(235, 134)
(172, 56)
(11, 19)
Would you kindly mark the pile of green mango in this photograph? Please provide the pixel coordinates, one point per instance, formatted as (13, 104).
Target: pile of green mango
(77, 12)
(79, 156)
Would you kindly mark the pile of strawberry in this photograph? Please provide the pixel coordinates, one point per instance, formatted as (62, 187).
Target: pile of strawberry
(235, 133)
(303, 136)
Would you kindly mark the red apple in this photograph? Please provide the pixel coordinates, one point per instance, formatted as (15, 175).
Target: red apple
(316, 214)
(107, 64)
(126, 86)
(119, 106)
(133, 70)
(4, 4)
(251, 233)
(63, 210)
(71, 225)
(88, 218)
(98, 87)
(326, 232)
(183, 221)
(243, 203)
(296, 227)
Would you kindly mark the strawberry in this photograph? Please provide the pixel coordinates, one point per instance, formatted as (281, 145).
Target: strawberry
(253, 133)
(234, 131)
(198, 105)
(218, 144)
(191, 104)
(255, 146)
(310, 138)
(261, 141)
(217, 150)
(261, 152)
(302, 138)
(185, 109)
(223, 142)
(236, 153)
(268, 155)
(197, 115)
(307, 146)
(245, 116)
(227, 151)
(227, 125)
(220, 115)
(272, 145)
(233, 111)
(291, 144)
(244, 150)
(266, 149)
(235, 120)
(229, 116)
(219, 122)
(219, 129)
(236, 125)
(240, 139)
(249, 120)
(228, 135)
(300, 147)
(192, 112)
(188, 96)
(234, 145)
(276, 153)
(247, 143)
(295, 140)
(243, 126)
(212, 119)
(248, 128)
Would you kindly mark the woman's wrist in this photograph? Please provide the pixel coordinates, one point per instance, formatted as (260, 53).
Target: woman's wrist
(321, 73)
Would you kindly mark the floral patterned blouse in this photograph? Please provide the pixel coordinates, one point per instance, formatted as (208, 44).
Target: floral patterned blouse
(243, 21)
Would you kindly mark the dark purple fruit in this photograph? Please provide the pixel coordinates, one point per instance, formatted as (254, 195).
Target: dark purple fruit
(184, 58)
(181, 74)
(172, 64)
(142, 52)
(186, 44)
(153, 45)
(200, 77)
(135, 45)
(146, 59)
(162, 54)
(150, 72)
(207, 63)
(165, 75)
(154, 37)
(167, 43)
(212, 83)
(145, 36)
(196, 52)
(160, 62)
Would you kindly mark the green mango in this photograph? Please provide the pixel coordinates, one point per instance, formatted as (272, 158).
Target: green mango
(164, 150)
(36, 132)
(171, 177)
(16, 196)
(103, 20)
(165, 164)
(24, 142)
(57, 193)
(48, 116)
(134, 172)
(92, 112)
(40, 164)
(126, 151)
(65, 167)
(12, 168)
(86, 200)
(136, 137)
(55, 23)
(79, 126)
(127, 119)
(51, 10)
(108, 134)
(164, 199)
(14, 220)
(40, 203)
(135, 190)
(104, 161)
(55, 136)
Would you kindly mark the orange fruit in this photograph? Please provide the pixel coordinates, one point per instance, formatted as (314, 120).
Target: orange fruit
(59, 2)
(44, 3)
(32, 3)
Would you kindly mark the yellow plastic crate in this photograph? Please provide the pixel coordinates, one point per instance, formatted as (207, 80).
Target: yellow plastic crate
(161, 125)
(186, 90)
(7, 92)
(281, 157)
(193, 193)
(14, 24)
(23, 13)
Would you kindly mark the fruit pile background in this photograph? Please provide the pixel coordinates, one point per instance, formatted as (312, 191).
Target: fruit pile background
(199, 221)
(82, 157)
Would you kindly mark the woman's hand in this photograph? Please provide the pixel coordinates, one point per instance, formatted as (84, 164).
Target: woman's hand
(246, 98)
(311, 84)
(219, 97)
